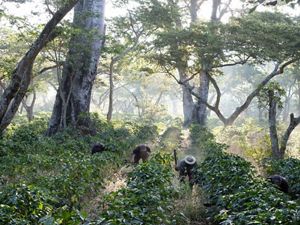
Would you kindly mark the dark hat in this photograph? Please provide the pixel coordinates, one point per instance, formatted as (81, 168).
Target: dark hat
(189, 159)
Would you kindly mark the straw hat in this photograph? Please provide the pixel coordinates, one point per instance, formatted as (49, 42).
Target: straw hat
(189, 159)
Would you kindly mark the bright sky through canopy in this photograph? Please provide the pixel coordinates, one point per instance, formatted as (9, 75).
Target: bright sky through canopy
(33, 8)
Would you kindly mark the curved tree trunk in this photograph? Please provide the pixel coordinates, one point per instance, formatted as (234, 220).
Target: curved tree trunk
(72, 103)
(29, 108)
(294, 122)
(21, 76)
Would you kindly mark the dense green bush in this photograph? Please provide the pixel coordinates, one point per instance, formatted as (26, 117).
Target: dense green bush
(147, 198)
(290, 169)
(258, 203)
(223, 174)
(22, 204)
(237, 194)
(62, 165)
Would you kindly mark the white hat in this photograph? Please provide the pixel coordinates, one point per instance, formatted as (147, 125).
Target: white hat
(189, 159)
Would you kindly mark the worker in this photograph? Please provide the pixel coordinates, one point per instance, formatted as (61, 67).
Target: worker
(186, 167)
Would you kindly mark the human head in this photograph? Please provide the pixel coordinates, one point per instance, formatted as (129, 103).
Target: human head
(98, 147)
(190, 160)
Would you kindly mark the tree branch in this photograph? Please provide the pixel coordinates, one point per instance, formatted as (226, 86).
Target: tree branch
(50, 67)
(242, 62)
(229, 121)
(213, 81)
(293, 124)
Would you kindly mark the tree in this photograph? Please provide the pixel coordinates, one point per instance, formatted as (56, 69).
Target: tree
(73, 97)
(172, 20)
(21, 76)
(125, 34)
(206, 64)
(239, 42)
(271, 96)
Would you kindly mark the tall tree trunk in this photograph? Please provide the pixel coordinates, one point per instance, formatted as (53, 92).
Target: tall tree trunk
(203, 93)
(187, 101)
(286, 109)
(111, 91)
(2, 87)
(21, 76)
(193, 10)
(29, 108)
(189, 106)
(72, 103)
(201, 114)
(113, 61)
(272, 125)
(215, 7)
(298, 97)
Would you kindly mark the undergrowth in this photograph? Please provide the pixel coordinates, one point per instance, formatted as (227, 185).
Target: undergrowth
(147, 198)
(49, 180)
(234, 193)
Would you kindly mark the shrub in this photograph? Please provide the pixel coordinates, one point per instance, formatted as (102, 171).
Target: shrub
(290, 169)
(62, 165)
(147, 199)
(239, 196)
(22, 204)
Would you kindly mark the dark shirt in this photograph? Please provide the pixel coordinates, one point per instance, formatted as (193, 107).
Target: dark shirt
(185, 170)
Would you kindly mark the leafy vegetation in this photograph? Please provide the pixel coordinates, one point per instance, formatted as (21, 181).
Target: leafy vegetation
(147, 198)
(238, 195)
(289, 168)
(61, 166)
(22, 204)
(210, 63)
(248, 139)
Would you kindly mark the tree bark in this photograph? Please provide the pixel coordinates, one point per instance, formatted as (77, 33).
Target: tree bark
(272, 125)
(193, 8)
(21, 76)
(111, 91)
(294, 122)
(298, 96)
(187, 101)
(286, 109)
(203, 92)
(2, 87)
(72, 103)
(29, 108)
(189, 106)
(215, 7)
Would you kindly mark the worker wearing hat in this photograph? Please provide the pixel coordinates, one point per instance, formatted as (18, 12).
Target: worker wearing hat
(186, 167)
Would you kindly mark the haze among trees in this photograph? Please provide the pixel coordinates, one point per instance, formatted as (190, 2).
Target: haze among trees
(218, 79)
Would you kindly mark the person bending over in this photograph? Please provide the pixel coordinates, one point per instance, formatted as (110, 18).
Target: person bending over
(140, 152)
(186, 167)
